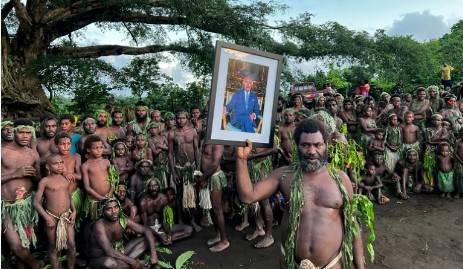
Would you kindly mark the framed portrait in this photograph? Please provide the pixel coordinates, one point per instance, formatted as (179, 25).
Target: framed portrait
(244, 96)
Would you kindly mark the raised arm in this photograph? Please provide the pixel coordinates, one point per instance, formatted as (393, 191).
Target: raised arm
(248, 192)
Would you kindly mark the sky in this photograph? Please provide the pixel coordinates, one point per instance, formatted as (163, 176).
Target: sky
(422, 19)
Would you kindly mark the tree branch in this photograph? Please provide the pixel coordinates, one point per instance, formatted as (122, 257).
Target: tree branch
(6, 9)
(21, 12)
(108, 50)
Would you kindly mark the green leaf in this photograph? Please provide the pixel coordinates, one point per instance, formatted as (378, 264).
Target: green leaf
(183, 259)
(164, 250)
(162, 264)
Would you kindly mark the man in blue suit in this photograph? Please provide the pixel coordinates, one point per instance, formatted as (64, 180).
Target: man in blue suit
(244, 108)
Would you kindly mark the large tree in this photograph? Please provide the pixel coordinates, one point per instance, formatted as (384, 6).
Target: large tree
(35, 30)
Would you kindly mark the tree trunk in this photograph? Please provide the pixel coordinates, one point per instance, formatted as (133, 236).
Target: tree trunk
(22, 93)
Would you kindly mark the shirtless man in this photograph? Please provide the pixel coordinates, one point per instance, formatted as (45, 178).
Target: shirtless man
(95, 176)
(410, 133)
(89, 125)
(398, 108)
(72, 172)
(317, 238)
(106, 248)
(420, 107)
(154, 214)
(102, 125)
(210, 167)
(59, 212)
(46, 144)
(184, 160)
(116, 130)
(127, 205)
(7, 133)
(140, 124)
(20, 167)
(407, 100)
(139, 179)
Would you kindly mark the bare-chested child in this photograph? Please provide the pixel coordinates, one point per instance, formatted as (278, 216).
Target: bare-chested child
(72, 170)
(158, 144)
(184, 160)
(217, 180)
(129, 142)
(106, 247)
(122, 161)
(285, 133)
(141, 150)
(20, 168)
(58, 211)
(410, 172)
(410, 133)
(458, 166)
(95, 175)
(156, 214)
(445, 179)
(377, 143)
(46, 144)
(371, 185)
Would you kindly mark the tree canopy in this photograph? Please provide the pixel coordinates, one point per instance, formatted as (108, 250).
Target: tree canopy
(45, 45)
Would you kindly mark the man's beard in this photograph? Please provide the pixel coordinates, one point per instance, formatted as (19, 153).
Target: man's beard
(141, 118)
(311, 163)
(101, 124)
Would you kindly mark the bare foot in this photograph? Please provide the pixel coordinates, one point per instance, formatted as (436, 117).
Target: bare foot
(448, 196)
(442, 195)
(213, 241)
(222, 245)
(255, 234)
(266, 242)
(384, 200)
(457, 196)
(241, 226)
(403, 196)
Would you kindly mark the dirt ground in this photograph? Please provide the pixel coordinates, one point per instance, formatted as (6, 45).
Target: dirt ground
(422, 232)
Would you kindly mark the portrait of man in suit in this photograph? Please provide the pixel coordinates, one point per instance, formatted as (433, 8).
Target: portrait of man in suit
(243, 108)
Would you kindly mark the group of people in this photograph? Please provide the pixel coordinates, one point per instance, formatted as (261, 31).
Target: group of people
(111, 190)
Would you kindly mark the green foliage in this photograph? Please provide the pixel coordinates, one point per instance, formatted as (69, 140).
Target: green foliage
(183, 260)
(362, 209)
(141, 76)
(451, 49)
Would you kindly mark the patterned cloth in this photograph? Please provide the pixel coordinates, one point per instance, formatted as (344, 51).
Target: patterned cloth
(445, 181)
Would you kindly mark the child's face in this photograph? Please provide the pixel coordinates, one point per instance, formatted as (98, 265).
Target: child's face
(140, 142)
(394, 121)
(409, 118)
(379, 136)
(55, 165)
(371, 170)
(129, 141)
(64, 145)
(154, 131)
(445, 151)
(96, 150)
(120, 150)
(436, 122)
